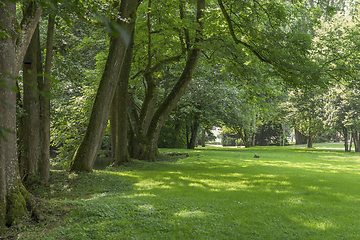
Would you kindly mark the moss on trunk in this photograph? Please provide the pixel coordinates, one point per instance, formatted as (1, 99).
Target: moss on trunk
(16, 206)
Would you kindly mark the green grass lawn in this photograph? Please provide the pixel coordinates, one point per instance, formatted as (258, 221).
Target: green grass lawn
(215, 193)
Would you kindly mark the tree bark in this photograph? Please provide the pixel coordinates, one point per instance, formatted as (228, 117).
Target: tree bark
(346, 138)
(194, 129)
(85, 155)
(356, 140)
(203, 132)
(45, 105)
(31, 106)
(351, 140)
(300, 138)
(120, 129)
(13, 196)
(310, 141)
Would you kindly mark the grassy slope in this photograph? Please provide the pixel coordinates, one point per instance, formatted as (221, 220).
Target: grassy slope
(287, 193)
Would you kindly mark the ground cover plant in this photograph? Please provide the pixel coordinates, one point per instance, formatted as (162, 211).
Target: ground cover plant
(214, 193)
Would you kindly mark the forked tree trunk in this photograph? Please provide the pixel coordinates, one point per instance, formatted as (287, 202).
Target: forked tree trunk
(310, 140)
(176, 93)
(85, 155)
(146, 114)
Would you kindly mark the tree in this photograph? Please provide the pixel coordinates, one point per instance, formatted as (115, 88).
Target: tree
(150, 124)
(29, 134)
(13, 46)
(118, 110)
(34, 109)
(86, 153)
(307, 113)
(45, 104)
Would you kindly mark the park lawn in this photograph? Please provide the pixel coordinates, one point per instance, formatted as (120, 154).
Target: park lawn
(336, 145)
(218, 193)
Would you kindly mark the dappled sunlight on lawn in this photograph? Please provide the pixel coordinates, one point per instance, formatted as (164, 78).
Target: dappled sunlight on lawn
(139, 195)
(151, 184)
(314, 222)
(227, 194)
(187, 213)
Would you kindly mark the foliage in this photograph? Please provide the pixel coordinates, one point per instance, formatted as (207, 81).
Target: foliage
(229, 137)
(306, 112)
(79, 58)
(270, 133)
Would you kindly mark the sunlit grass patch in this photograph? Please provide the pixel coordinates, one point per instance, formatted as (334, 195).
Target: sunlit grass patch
(287, 193)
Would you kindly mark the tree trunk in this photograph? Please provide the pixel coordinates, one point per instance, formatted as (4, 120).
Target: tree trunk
(146, 114)
(121, 154)
(45, 106)
(31, 144)
(194, 129)
(356, 140)
(13, 196)
(345, 132)
(85, 155)
(203, 137)
(178, 90)
(284, 134)
(350, 142)
(113, 123)
(300, 138)
(310, 141)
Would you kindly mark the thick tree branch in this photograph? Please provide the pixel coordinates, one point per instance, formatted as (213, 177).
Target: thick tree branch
(27, 28)
(233, 35)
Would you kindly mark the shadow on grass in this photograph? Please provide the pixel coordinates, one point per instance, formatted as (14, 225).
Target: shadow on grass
(218, 194)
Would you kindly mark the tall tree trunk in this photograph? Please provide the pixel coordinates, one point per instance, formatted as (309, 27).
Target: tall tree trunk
(85, 155)
(194, 129)
(178, 90)
(356, 140)
(149, 103)
(45, 105)
(13, 196)
(203, 132)
(31, 105)
(345, 132)
(120, 128)
(351, 140)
